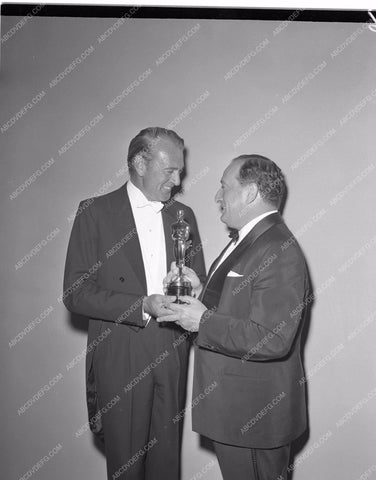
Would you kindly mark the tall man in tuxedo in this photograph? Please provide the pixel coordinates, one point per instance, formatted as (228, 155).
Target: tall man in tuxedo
(117, 258)
(249, 324)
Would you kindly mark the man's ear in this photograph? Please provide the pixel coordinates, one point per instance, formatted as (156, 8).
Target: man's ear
(252, 192)
(139, 165)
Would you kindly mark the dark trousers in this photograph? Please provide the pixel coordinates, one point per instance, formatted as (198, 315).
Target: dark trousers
(147, 373)
(238, 463)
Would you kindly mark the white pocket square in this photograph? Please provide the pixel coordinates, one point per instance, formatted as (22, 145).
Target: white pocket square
(234, 274)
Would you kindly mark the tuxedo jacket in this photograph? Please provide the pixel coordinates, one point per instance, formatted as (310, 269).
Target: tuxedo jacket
(105, 277)
(248, 380)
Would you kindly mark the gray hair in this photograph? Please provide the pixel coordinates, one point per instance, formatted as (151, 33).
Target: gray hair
(144, 143)
(266, 175)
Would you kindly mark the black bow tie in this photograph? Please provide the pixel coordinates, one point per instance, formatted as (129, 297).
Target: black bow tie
(234, 235)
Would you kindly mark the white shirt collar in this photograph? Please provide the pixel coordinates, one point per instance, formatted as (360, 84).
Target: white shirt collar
(138, 199)
(250, 225)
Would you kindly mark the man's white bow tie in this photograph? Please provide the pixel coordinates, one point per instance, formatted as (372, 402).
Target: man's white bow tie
(156, 206)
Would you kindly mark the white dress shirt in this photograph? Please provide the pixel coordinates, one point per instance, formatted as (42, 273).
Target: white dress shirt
(148, 218)
(243, 232)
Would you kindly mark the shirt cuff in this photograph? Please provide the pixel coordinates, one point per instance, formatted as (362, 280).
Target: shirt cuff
(196, 292)
(145, 316)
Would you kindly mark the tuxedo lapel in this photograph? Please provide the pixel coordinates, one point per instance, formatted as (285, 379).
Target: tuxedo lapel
(249, 240)
(215, 263)
(125, 227)
(213, 288)
(168, 219)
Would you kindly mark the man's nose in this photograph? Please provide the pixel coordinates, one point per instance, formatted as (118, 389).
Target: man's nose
(176, 178)
(218, 196)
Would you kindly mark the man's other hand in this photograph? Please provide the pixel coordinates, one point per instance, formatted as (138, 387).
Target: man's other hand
(157, 305)
(187, 314)
(188, 273)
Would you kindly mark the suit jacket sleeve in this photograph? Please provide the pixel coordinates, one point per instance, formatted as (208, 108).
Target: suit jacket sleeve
(83, 292)
(271, 314)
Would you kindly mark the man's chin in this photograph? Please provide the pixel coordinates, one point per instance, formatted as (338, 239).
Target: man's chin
(226, 221)
(223, 217)
(164, 197)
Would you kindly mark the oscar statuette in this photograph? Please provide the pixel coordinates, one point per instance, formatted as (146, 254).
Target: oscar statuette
(180, 284)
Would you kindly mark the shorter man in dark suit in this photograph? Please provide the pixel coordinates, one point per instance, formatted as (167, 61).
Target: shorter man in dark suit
(249, 324)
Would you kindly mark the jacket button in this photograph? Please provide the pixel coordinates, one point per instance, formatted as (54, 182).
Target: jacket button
(121, 279)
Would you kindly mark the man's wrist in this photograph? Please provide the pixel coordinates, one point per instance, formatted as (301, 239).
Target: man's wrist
(197, 290)
(145, 308)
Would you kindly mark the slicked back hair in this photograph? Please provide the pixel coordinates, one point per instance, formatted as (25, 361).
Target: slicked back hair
(266, 175)
(147, 140)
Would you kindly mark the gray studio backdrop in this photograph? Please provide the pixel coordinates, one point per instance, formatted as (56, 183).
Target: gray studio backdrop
(74, 91)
